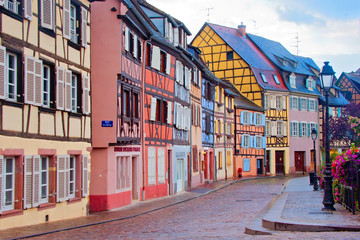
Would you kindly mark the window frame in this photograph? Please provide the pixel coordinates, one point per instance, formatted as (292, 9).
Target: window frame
(258, 141)
(229, 55)
(74, 92)
(47, 177)
(304, 129)
(295, 129)
(246, 116)
(15, 76)
(279, 126)
(263, 77)
(13, 181)
(46, 88)
(72, 183)
(268, 128)
(247, 140)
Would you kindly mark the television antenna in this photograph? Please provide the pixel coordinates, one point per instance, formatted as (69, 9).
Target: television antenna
(208, 13)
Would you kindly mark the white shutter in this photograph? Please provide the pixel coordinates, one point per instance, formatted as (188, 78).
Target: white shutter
(127, 43)
(1, 182)
(67, 90)
(283, 98)
(86, 95)
(171, 33)
(151, 166)
(187, 78)
(29, 80)
(182, 116)
(36, 181)
(176, 36)
(62, 179)
(47, 14)
(178, 67)
(153, 109)
(179, 116)
(155, 61)
(166, 28)
(284, 128)
(28, 9)
(135, 46)
(273, 101)
(60, 75)
(1, 4)
(169, 109)
(38, 82)
(66, 19)
(181, 72)
(186, 118)
(2, 72)
(85, 175)
(168, 63)
(28, 181)
(84, 17)
(161, 165)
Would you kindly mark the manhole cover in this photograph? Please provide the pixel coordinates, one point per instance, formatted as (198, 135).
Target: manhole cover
(244, 200)
(323, 213)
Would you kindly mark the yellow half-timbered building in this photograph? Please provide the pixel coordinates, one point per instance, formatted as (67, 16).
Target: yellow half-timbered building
(232, 56)
(44, 110)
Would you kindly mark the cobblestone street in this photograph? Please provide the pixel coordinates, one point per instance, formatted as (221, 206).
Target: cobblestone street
(219, 215)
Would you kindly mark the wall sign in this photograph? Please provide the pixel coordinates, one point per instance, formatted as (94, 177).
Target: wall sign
(107, 123)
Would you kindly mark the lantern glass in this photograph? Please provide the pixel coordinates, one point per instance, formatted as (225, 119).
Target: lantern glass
(313, 134)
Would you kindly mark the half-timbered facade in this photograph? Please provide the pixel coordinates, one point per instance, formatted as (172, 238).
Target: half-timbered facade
(232, 56)
(167, 92)
(250, 140)
(300, 75)
(350, 86)
(44, 111)
(117, 77)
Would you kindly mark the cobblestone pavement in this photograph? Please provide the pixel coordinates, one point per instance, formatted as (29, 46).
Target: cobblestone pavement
(220, 215)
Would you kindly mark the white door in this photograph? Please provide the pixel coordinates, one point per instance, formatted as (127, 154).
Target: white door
(180, 175)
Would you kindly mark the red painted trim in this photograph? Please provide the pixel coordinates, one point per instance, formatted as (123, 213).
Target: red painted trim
(156, 191)
(74, 200)
(100, 203)
(74, 152)
(13, 152)
(46, 152)
(11, 213)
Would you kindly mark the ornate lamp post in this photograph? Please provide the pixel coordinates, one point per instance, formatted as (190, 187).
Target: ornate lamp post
(327, 78)
(313, 137)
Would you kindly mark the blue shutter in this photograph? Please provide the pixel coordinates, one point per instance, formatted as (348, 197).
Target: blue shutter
(307, 104)
(254, 121)
(263, 142)
(300, 129)
(250, 118)
(291, 102)
(308, 130)
(316, 104)
(246, 165)
(251, 141)
(291, 129)
(263, 120)
(242, 117)
(242, 141)
(339, 112)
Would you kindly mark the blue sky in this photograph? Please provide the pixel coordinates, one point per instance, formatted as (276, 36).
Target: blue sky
(327, 30)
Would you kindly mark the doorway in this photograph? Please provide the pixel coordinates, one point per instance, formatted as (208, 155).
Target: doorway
(299, 162)
(267, 168)
(279, 162)
(260, 166)
(205, 165)
(169, 175)
(180, 175)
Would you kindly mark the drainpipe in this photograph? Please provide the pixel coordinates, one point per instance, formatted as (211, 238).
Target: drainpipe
(142, 103)
(225, 136)
(190, 136)
(214, 158)
(263, 103)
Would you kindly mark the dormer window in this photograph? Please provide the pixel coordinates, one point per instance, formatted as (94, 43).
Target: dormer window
(310, 83)
(276, 79)
(292, 80)
(230, 55)
(263, 77)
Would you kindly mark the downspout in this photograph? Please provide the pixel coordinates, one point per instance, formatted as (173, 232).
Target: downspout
(214, 161)
(265, 157)
(142, 103)
(190, 136)
(225, 136)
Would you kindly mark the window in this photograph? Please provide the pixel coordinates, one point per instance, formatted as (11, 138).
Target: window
(72, 176)
(268, 128)
(258, 119)
(278, 102)
(295, 103)
(74, 83)
(139, 49)
(246, 118)
(302, 103)
(310, 83)
(136, 105)
(123, 177)
(126, 103)
(312, 105)
(46, 86)
(266, 102)
(148, 55)
(263, 77)
(230, 55)
(258, 142)
(279, 128)
(303, 129)
(246, 165)
(292, 80)
(276, 79)
(295, 129)
(9, 184)
(11, 64)
(163, 62)
(44, 180)
(246, 139)
(73, 24)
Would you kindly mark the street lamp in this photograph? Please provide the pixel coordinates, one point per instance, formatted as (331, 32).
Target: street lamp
(326, 79)
(313, 137)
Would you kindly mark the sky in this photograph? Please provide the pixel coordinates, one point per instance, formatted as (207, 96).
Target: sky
(324, 30)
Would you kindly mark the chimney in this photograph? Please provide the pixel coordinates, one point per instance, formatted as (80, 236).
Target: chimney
(242, 29)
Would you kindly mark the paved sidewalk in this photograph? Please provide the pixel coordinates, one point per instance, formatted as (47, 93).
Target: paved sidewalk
(299, 208)
(131, 211)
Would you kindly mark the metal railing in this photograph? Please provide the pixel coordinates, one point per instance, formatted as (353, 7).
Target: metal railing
(349, 194)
